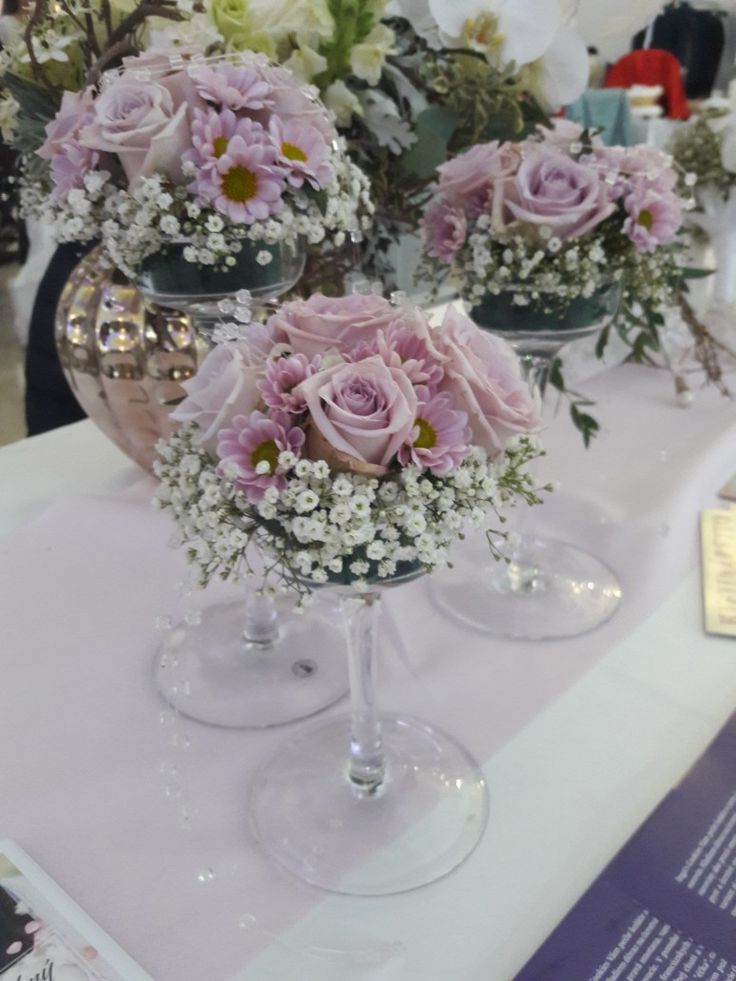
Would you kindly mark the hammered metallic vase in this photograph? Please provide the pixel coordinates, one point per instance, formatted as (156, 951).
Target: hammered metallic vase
(124, 361)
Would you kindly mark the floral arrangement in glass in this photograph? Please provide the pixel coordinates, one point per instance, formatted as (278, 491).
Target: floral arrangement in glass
(553, 221)
(410, 84)
(705, 149)
(705, 152)
(349, 439)
(459, 74)
(199, 155)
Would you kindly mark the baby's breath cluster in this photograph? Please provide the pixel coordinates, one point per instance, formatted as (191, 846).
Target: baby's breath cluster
(533, 268)
(698, 150)
(500, 222)
(142, 221)
(208, 153)
(334, 528)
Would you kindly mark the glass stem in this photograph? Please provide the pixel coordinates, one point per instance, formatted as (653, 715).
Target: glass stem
(367, 764)
(536, 369)
(261, 627)
(521, 575)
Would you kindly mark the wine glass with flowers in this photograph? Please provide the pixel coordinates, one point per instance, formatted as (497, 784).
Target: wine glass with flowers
(551, 240)
(357, 451)
(202, 175)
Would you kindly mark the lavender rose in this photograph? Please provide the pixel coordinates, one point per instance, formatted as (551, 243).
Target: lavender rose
(76, 110)
(553, 191)
(468, 180)
(325, 323)
(483, 376)
(225, 386)
(70, 161)
(360, 415)
(69, 167)
(142, 124)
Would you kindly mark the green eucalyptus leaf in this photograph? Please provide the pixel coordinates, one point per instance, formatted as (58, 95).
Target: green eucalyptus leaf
(585, 423)
(434, 127)
(555, 375)
(504, 125)
(689, 272)
(34, 100)
(600, 345)
(319, 198)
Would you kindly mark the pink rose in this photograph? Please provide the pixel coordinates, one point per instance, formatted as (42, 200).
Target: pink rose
(360, 415)
(76, 110)
(140, 122)
(225, 386)
(483, 376)
(554, 191)
(326, 323)
(467, 181)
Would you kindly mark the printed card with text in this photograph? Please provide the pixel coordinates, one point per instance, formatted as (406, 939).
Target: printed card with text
(665, 908)
(45, 936)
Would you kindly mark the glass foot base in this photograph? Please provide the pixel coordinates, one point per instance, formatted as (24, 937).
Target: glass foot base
(207, 671)
(552, 590)
(426, 818)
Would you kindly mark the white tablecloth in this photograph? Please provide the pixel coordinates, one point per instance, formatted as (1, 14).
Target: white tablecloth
(141, 816)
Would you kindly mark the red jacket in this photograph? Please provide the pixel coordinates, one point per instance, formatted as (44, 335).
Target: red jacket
(650, 66)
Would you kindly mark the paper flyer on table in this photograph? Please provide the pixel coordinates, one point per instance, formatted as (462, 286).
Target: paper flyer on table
(665, 907)
(45, 936)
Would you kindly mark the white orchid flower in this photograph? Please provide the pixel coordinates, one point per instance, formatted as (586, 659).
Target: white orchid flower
(522, 29)
(561, 74)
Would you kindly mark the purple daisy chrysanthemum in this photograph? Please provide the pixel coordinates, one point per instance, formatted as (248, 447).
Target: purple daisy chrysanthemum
(441, 436)
(363, 350)
(212, 132)
(445, 228)
(399, 345)
(654, 218)
(280, 381)
(246, 183)
(303, 152)
(232, 87)
(249, 451)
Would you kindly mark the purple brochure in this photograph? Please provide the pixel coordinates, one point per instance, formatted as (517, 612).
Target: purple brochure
(665, 907)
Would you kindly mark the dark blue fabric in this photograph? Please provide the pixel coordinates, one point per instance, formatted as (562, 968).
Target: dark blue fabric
(695, 38)
(49, 400)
